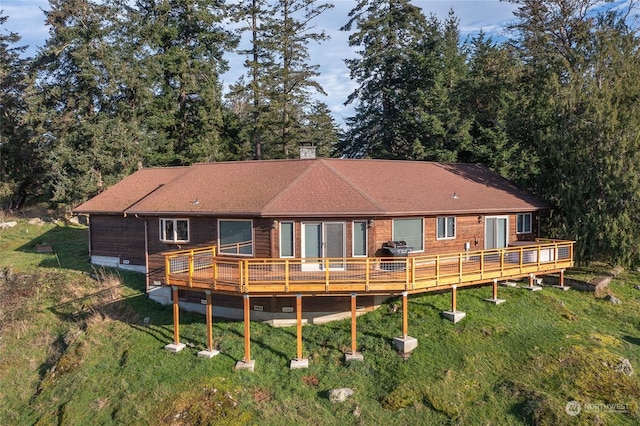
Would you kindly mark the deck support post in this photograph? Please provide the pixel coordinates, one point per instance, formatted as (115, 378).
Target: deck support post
(494, 298)
(246, 363)
(561, 285)
(354, 355)
(406, 343)
(454, 315)
(532, 286)
(299, 361)
(176, 346)
(210, 352)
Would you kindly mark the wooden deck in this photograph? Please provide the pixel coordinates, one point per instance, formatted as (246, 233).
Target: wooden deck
(202, 269)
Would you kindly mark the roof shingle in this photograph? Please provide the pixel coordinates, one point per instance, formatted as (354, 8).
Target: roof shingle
(314, 187)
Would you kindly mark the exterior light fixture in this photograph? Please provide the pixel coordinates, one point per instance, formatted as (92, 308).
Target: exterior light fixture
(454, 196)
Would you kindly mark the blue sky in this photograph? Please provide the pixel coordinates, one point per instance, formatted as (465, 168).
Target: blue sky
(491, 16)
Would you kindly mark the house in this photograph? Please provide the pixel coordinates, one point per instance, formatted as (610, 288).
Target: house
(277, 239)
(303, 208)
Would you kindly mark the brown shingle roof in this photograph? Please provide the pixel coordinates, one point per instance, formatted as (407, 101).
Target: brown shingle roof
(130, 190)
(315, 187)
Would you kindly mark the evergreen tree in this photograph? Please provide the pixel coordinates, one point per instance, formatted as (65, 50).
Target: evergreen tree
(387, 34)
(18, 170)
(584, 69)
(492, 95)
(179, 47)
(281, 80)
(441, 130)
(71, 113)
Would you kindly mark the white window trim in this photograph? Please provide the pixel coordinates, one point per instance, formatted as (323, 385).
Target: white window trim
(366, 238)
(530, 223)
(252, 237)
(455, 228)
(393, 231)
(175, 221)
(293, 236)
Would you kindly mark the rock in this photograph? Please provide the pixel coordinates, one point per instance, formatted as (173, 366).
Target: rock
(36, 221)
(7, 225)
(624, 367)
(637, 287)
(613, 299)
(340, 395)
(357, 412)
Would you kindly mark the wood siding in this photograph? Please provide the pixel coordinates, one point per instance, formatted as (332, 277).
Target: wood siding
(266, 236)
(118, 236)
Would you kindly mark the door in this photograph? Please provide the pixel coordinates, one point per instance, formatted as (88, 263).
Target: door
(320, 240)
(496, 232)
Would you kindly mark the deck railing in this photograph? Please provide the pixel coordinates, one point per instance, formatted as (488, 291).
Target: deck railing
(202, 269)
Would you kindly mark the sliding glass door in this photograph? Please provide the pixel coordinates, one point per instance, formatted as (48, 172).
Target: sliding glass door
(323, 240)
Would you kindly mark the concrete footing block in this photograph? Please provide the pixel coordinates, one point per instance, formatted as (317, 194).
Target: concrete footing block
(496, 301)
(355, 356)
(405, 344)
(174, 347)
(299, 363)
(508, 284)
(562, 287)
(532, 287)
(245, 365)
(453, 316)
(208, 354)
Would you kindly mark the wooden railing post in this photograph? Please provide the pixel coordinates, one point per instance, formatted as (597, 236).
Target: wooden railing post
(286, 275)
(167, 268)
(191, 268)
(327, 274)
(367, 273)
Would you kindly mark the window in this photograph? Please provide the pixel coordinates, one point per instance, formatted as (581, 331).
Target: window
(409, 231)
(174, 230)
(524, 223)
(446, 227)
(360, 239)
(286, 239)
(235, 237)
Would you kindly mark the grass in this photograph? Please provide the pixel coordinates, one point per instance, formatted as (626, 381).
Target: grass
(75, 350)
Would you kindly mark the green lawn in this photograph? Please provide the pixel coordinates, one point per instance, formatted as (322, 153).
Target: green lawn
(74, 351)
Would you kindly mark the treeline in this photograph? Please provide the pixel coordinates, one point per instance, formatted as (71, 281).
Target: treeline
(121, 85)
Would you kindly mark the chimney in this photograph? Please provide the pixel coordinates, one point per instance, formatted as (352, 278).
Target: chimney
(307, 150)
